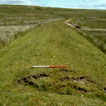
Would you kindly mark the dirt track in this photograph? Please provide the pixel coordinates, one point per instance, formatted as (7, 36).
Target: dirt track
(83, 28)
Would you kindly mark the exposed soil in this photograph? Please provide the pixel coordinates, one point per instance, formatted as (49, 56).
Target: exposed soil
(62, 83)
(81, 89)
(66, 70)
(68, 22)
(85, 78)
(77, 26)
(65, 78)
(26, 79)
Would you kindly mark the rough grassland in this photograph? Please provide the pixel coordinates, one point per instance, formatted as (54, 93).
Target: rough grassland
(15, 19)
(53, 43)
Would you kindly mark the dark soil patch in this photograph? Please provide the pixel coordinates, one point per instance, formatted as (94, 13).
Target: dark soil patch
(60, 82)
(105, 88)
(66, 70)
(65, 78)
(85, 78)
(81, 89)
(26, 79)
(77, 26)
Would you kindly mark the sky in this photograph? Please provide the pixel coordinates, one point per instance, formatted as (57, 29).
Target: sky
(83, 4)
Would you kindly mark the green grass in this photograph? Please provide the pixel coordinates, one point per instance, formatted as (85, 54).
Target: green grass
(53, 43)
(98, 38)
(16, 15)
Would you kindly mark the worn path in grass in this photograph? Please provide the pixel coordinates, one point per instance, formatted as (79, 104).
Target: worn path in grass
(51, 44)
(68, 22)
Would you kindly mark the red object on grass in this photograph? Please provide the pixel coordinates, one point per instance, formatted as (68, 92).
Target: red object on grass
(53, 66)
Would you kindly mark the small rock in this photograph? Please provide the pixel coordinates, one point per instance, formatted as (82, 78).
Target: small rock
(75, 81)
(82, 82)
(82, 96)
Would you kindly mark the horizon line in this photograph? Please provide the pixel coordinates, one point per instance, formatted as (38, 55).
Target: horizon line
(54, 7)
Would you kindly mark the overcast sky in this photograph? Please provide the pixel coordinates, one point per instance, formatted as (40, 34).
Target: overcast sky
(89, 4)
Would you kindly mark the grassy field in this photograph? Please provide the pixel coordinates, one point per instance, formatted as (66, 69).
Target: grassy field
(47, 40)
(17, 19)
(94, 22)
(22, 18)
(83, 82)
